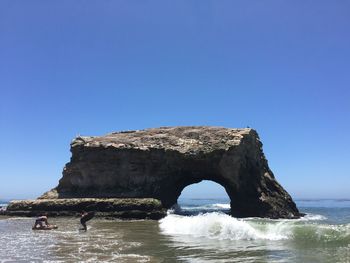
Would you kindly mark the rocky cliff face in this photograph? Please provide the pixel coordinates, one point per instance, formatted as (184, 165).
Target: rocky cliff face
(160, 163)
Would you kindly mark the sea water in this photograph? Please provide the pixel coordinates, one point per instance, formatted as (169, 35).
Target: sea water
(197, 230)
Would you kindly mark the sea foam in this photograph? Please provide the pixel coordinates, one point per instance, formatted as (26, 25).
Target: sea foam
(221, 226)
(222, 206)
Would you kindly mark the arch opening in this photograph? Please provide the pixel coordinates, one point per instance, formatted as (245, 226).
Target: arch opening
(203, 197)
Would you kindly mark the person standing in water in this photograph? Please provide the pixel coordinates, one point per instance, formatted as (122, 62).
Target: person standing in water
(84, 218)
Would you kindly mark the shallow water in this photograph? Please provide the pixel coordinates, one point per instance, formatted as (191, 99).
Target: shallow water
(322, 236)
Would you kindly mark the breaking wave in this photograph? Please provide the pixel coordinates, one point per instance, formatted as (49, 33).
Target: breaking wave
(195, 209)
(211, 207)
(224, 227)
(222, 206)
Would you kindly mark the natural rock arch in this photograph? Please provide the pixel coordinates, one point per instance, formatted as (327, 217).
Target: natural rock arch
(161, 162)
(204, 190)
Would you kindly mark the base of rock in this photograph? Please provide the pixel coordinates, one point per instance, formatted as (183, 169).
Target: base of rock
(124, 208)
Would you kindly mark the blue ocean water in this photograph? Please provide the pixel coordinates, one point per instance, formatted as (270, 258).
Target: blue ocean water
(198, 230)
(3, 203)
(332, 211)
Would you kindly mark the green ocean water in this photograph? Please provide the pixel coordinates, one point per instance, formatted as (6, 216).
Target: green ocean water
(197, 231)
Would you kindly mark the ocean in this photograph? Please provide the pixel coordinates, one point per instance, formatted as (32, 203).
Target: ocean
(198, 230)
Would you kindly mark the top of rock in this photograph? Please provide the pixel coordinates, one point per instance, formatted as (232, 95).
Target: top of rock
(180, 138)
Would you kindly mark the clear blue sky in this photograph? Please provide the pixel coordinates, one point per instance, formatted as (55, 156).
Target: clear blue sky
(93, 67)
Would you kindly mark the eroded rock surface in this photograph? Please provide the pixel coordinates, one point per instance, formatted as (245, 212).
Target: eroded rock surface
(159, 163)
(132, 208)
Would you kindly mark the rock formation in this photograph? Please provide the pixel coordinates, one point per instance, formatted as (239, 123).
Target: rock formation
(159, 163)
(135, 208)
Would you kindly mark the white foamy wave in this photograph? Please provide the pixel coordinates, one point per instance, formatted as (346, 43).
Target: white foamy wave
(209, 207)
(222, 206)
(313, 217)
(221, 226)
